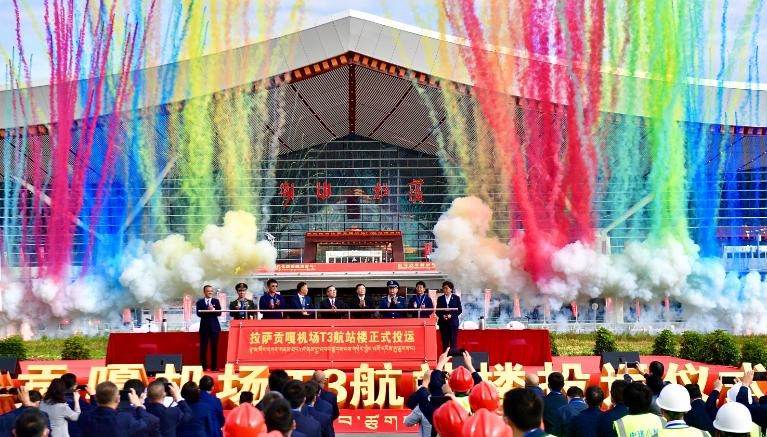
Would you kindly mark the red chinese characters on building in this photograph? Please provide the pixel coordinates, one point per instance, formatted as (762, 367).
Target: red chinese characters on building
(323, 190)
(415, 190)
(380, 191)
(287, 192)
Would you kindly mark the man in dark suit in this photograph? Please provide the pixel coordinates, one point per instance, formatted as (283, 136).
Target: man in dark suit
(331, 302)
(126, 407)
(552, 421)
(448, 320)
(362, 302)
(585, 423)
(209, 326)
(271, 300)
(105, 420)
(702, 414)
(421, 300)
(296, 396)
(327, 396)
(392, 302)
(242, 304)
(170, 417)
(207, 397)
(301, 301)
(312, 389)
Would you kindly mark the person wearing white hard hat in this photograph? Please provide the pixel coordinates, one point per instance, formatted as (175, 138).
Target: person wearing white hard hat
(733, 420)
(674, 402)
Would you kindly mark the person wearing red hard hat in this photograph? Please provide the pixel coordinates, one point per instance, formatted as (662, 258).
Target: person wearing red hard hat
(448, 419)
(244, 420)
(485, 423)
(484, 395)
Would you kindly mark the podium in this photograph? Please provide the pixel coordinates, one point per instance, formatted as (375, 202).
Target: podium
(406, 343)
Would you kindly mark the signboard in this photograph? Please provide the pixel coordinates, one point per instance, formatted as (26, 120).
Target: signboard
(417, 266)
(342, 343)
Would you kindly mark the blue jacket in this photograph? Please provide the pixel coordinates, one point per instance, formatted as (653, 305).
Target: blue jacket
(605, 425)
(703, 414)
(8, 419)
(399, 304)
(278, 303)
(324, 407)
(306, 424)
(552, 402)
(170, 417)
(325, 420)
(423, 301)
(208, 321)
(153, 423)
(567, 412)
(202, 422)
(585, 423)
(105, 421)
(74, 428)
(455, 302)
(332, 399)
(537, 390)
(217, 408)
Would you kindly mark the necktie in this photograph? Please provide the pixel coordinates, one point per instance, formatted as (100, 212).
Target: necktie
(362, 302)
(333, 303)
(391, 303)
(242, 307)
(302, 302)
(207, 303)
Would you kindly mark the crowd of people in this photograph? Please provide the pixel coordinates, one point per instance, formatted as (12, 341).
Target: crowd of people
(163, 409)
(461, 404)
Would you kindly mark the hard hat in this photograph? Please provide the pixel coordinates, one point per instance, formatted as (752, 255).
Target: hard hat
(733, 417)
(448, 419)
(674, 397)
(461, 380)
(485, 423)
(244, 421)
(484, 395)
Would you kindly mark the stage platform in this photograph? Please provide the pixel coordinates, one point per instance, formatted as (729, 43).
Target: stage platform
(529, 347)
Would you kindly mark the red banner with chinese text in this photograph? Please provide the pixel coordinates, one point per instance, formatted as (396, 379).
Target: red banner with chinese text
(341, 343)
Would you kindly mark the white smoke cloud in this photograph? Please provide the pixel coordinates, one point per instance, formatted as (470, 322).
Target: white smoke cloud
(470, 257)
(173, 266)
(153, 274)
(649, 271)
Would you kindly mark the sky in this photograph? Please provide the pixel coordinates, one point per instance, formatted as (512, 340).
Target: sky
(413, 12)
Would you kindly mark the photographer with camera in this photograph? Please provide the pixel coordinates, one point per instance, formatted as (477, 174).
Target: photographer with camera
(170, 417)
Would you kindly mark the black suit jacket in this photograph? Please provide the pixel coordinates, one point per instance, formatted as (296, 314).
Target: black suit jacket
(249, 305)
(455, 302)
(170, 417)
(209, 321)
(369, 305)
(340, 305)
(294, 303)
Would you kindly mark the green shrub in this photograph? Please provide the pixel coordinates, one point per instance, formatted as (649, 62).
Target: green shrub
(553, 343)
(721, 348)
(754, 352)
(664, 344)
(692, 346)
(13, 347)
(75, 348)
(604, 341)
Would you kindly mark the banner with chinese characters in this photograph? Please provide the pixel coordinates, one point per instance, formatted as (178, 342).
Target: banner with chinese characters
(343, 343)
(371, 399)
